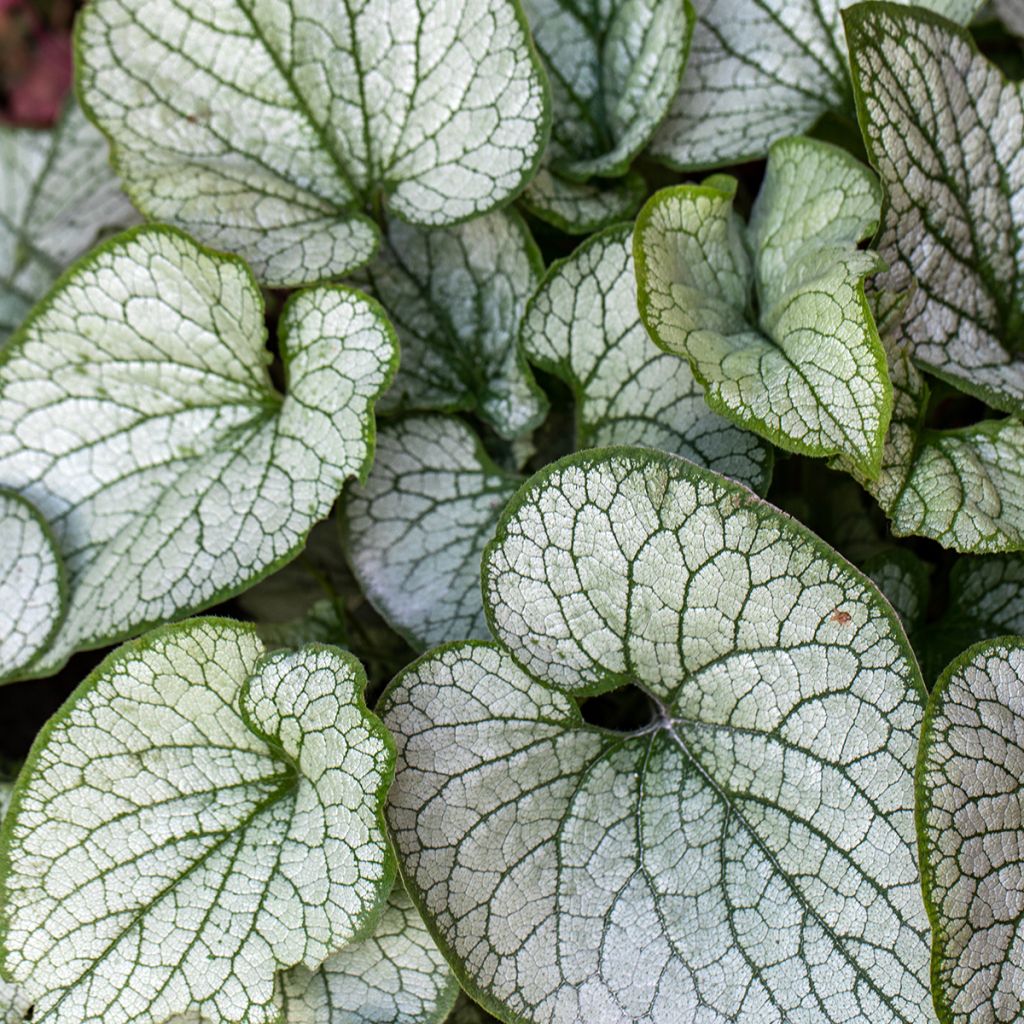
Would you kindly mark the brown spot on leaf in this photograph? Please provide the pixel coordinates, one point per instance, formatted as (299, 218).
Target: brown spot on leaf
(841, 617)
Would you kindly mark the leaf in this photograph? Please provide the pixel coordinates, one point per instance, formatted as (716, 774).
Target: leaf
(14, 1001)
(807, 369)
(578, 208)
(32, 585)
(457, 297)
(614, 68)
(969, 814)
(273, 131)
(758, 71)
(397, 976)
(415, 531)
(903, 578)
(1011, 16)
(583, 326)
(747, 855)
(943, 127)
(59, 195)
(199, 815)
(135, 406)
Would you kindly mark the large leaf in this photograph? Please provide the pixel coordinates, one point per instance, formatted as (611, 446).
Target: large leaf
(782, 340)
(273, 130)
(760, 70)
(970, 813)
(583, 326)
(138, 416)
(944, 129)
(416, 529)
(457, 296)
(32, 585)
(58, 195)
(198, 816)
(748, 855)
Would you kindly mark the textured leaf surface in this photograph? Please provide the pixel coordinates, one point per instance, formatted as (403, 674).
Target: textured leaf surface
(760, 70)
(199, 815)
(271, 129)
(58, 195)
(750, 855)
(137, 415)
(457, 297)
(807, 371)
(583, 326)
(945, 131)
(397, 976)
(578, 208)
(14, 1001)
(415, 531)
(32, 587)
(970, 812)
(903, 578)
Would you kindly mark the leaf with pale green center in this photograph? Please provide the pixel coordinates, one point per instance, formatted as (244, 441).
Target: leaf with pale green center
(583, 325)
(456, 297)
(274, 129)
(760, 70)
(970, 814)
(578, 208)
(946, 131)
(32, 586)
(415, 531)
(199, 816)
(396, 976)
(59, 195)
(807, 370)
(138, 416)
(757, 835)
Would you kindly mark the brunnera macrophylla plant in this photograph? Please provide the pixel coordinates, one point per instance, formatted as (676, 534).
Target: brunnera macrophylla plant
(593, 436)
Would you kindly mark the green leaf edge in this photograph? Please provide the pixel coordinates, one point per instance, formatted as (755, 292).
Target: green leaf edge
(374, 726)
(922, 805)
(369, 432)
(713, 188)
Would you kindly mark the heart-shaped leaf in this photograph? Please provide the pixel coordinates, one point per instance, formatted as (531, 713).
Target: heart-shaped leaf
(782, 340)
(749, 854)
(138, 416)
(197, 817)
(273, 131)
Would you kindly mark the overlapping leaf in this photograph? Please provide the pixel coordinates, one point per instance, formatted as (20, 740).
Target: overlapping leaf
(198, 816)
(943, 127)
(14, 1001)
(749, 854)
(972, 842)
(579, 207)
(274, 130)
(772, 317)
(138, 416)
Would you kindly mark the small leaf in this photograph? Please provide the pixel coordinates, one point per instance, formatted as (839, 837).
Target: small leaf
(59, 195)
(578, 208)
(137, 415)
(396, 976)
(416, 529)
(272, 131)
(970, 814)
(782, 340)
(198, 816)
(583, 326)
(747, 855)
(943, 127)
(32, 586)
(457, 297)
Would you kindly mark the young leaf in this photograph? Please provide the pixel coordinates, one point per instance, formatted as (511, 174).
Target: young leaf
(583, 326)
(970, 813)
(32, 586)
(59, 195)
(272, 131)
(943, 127)
(760, 70)
(396, 976)
(578, 208)
(415, 531)
(783, 340)
(749, 854)
(137, 415)
(457, 297)
(197, 817)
